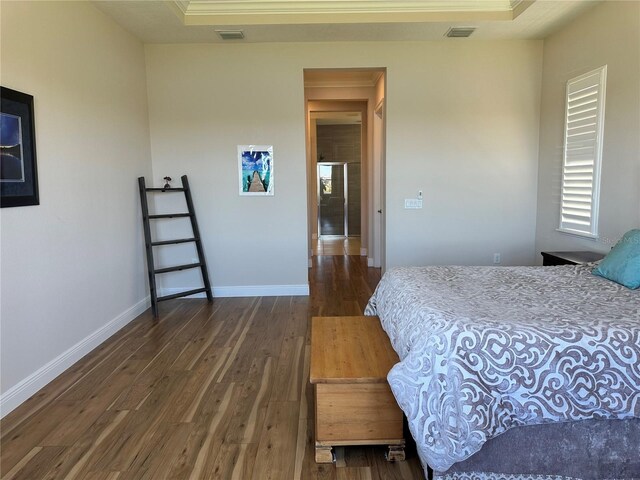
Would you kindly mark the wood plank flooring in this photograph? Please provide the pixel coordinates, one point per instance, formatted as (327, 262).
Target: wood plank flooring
(336, 246)
(208, 391)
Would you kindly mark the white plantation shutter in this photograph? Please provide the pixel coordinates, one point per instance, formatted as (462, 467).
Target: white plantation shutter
(584, 121)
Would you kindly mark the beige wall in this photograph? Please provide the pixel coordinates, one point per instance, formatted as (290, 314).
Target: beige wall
(609, 34)
(73, 267)
(462, 125)
(203, 102)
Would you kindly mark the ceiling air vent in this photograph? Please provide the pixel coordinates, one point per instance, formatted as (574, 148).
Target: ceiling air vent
(460, 32)
(230, 34)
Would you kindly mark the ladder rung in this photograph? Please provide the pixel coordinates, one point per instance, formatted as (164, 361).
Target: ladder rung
(169, 215)
(182, 294)
(177, 268)
(177, 189)
(172, 242)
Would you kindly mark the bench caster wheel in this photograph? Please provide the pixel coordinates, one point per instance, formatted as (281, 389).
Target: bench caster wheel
(395, 453)
(325, 454)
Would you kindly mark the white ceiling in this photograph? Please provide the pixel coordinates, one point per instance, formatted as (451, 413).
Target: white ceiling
(164, 21)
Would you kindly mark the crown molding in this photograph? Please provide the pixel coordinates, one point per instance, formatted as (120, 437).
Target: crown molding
(519, 6)
(182, 5)
(268, 12)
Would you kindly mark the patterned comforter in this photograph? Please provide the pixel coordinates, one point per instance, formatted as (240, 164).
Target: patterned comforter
(484, 349)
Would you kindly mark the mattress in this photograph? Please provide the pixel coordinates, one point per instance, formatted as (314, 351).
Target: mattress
(485, 349)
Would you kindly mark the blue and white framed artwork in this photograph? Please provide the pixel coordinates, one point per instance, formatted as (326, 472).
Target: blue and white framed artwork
(255, 167)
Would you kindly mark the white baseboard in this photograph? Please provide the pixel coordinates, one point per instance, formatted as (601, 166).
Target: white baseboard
(247, 291)
(27, 387)
(363, 252)
(369, 262)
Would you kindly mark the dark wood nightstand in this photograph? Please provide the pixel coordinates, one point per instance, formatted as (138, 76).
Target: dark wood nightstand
(569, 258)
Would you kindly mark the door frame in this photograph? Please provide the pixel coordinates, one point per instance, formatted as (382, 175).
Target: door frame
(325, 106)
(334, 94)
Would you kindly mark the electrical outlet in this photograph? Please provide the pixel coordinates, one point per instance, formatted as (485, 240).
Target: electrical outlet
(496, 258)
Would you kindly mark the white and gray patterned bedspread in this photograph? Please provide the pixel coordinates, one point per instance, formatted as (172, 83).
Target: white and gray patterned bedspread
(484, 349)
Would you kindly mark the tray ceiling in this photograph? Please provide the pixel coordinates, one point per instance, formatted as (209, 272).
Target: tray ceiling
(263, 12)
(196, 21)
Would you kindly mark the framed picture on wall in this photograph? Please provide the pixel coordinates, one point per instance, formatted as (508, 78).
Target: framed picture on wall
(18, 172)
(255, 169)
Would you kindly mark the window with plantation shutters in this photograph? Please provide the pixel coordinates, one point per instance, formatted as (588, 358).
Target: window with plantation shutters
(584, 122)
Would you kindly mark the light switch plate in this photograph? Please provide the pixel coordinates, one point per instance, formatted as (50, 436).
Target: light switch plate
(412, 203)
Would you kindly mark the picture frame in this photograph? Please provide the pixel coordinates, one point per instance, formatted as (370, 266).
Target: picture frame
(18, 166)
(255, 170)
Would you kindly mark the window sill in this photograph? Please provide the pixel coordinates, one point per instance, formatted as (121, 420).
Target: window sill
(577, 233)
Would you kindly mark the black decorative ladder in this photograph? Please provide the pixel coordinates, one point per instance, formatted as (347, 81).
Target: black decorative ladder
(149, 243)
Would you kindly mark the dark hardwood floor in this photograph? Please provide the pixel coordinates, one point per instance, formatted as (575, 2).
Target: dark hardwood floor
(214, 391)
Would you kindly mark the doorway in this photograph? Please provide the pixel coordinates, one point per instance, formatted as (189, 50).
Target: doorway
(338, 152)
(333, 195)
(345, 163)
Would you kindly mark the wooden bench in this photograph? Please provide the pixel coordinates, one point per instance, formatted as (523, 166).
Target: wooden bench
(350, 359)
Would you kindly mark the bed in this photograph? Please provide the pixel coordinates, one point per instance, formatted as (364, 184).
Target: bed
(515, 372)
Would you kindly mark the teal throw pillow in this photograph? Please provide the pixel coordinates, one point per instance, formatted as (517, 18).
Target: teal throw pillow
(622, 263)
